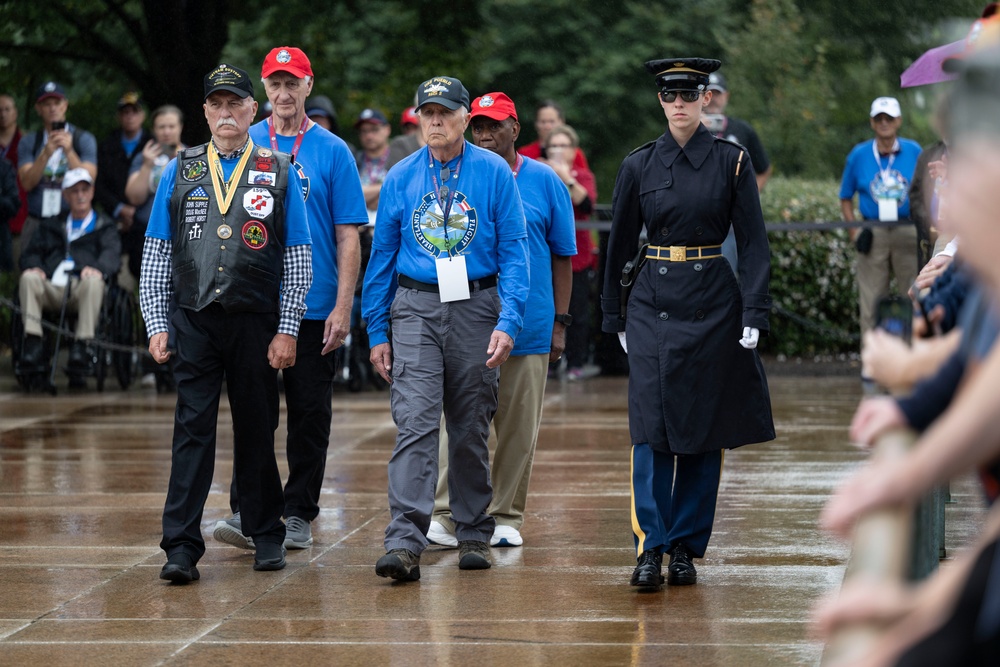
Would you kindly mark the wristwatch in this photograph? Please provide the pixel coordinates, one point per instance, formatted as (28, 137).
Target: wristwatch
(564, 318)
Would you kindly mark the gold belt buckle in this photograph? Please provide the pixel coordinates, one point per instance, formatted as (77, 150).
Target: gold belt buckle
(678, 253)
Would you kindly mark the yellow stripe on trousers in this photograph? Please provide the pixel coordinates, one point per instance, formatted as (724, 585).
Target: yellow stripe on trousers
(636, 528)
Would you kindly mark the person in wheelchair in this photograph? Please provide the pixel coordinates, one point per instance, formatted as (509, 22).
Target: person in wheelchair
(81, 250)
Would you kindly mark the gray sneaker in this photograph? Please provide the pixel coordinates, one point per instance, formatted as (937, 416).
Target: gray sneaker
(230, 531)
(298, 533)
(399, 564)
(474, 555)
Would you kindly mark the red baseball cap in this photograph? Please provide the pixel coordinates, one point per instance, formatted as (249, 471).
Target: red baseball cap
(286, 59)
(408, 117)
(494, 105)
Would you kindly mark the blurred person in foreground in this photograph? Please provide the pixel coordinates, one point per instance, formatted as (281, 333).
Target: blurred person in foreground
(954, 616)
(696, 383)
(548, 214)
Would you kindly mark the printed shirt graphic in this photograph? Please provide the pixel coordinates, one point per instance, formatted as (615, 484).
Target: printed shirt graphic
(486, 226)
(862, 175)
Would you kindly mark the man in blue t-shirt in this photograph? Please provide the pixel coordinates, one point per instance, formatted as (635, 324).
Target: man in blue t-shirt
(336, 207)
(880, 172)
(548, 213)
(450, 229)
(228, 248)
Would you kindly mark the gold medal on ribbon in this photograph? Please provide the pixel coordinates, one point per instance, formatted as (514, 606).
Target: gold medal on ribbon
(225, 231)
(226, 190)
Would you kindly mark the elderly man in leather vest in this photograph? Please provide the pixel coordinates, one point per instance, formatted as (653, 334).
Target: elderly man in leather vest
(228, 251)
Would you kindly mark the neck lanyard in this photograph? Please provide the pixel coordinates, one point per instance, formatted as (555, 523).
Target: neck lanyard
(884, 174)
(517, 165)
(73, 233)
(442, 190)
(375, 169)
(298, 137)
(226, 190)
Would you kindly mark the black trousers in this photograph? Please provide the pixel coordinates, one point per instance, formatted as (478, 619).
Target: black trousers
(578, 334)
(212, 345)
(309, 398)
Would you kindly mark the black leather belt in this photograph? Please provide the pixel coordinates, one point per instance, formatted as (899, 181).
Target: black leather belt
(474, 285)
(679, 253)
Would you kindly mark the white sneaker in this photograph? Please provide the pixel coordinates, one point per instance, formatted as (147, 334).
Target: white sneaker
(438, 534)
(506, 536)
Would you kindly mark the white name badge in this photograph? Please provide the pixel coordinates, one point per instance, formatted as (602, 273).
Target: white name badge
(61, 275)
(453, 278)
(51, 202)
(888, 209)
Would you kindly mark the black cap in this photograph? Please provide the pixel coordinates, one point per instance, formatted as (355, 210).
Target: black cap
(320, 105)
(371, 116)
(444, 90)
(130, 99)
(50, 89)
(682, 73)
(229, 78)
(717, 82)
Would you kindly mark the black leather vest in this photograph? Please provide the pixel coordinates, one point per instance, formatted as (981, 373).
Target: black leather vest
(236, 258)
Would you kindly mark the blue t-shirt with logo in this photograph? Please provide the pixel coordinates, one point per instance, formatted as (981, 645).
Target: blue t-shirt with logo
(548, 214)
(485, 224)
(296, 221)
(889, 176)
(334, 197)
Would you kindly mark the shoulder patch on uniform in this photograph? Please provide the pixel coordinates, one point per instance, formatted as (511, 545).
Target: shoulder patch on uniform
(194, 151)
(645, 145)
(731, 142)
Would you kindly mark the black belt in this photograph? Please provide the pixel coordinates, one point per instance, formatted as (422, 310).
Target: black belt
(474, 285)
(680, 253)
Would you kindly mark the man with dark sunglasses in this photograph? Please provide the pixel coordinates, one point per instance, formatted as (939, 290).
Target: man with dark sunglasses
(880, 171)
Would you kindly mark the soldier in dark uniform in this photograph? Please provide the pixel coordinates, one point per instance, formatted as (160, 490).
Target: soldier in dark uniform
(696, 383)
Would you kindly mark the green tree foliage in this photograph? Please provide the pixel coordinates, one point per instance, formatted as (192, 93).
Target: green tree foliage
(101, 48)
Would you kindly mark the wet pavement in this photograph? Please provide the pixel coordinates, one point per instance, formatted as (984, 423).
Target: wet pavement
(83, 478)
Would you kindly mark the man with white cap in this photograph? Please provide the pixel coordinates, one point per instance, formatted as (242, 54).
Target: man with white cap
(880, 172)
(83, 248)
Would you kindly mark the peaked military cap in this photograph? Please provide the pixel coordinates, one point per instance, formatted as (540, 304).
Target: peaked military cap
(682, 73)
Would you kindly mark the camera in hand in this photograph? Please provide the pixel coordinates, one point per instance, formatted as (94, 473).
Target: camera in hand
(715, 122)
(58, 125)
(895, 316)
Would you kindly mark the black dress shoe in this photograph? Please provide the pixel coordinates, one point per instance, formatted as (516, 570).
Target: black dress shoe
(269, 556)
(681, 570)
(79, 359)
(647, 573)
(180, 569)
(33, 352)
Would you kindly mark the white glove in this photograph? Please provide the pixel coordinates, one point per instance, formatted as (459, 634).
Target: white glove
(750, 337)
(621, 339)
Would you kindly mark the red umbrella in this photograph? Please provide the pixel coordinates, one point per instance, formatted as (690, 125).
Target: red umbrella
(927, 68)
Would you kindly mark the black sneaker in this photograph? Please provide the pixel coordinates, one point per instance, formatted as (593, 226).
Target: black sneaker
(399, 564)
(474, 555)
(269, 556)
(32, 353)
(79, 357)
(681, 570)
(647, 572)
(180, 569)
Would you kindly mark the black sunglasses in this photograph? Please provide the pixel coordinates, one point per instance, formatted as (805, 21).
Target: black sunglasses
(686, 95)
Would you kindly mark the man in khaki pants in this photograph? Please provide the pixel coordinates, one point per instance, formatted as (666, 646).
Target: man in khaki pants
(548, 212)
(880, 171)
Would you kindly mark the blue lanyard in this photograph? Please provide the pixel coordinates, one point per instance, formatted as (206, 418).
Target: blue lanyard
(441, 190)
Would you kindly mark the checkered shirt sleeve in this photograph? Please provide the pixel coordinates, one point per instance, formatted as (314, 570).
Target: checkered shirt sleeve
(295, 282)
(155, 286)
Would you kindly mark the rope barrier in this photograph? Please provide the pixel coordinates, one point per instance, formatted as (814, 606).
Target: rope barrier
(105, 344)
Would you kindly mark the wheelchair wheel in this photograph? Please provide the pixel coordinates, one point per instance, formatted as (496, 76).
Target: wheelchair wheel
(115, 328)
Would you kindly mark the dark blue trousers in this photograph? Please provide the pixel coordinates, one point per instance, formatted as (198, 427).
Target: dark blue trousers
(673, 499)
(212, 345)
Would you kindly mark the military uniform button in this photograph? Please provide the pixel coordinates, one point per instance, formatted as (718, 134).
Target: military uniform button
(218, 291)
(697, 267)
(700, 314)
(664, 231)
(698, 230)
(667, 183)
(663, 270)
(220, 268)
(664, 316)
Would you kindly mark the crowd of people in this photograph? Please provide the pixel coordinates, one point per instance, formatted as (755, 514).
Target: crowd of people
(262, 249)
